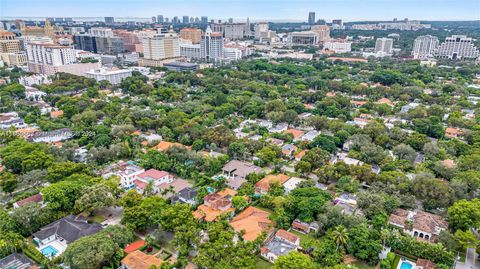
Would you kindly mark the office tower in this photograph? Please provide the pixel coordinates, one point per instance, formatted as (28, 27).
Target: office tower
(323, 32)
(192, 19)
(260, 28)
(458, 47)
(160, 19)
(384, 45)
(109, 20)
(192, 34)
(101, 31)
(161, 46)
(211, 46)
(185, 19)
(167, 20)
(197, 20)
(311, 18)
(190, 51)
(175, 20)
(204, 20)
(131, 41)
(68, 19)
(154, 19)
(230, 20)
(425, 47)
(85, 42)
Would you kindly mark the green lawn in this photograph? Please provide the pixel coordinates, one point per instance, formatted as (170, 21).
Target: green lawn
(395, 262)
(362, 265)
(262, 264)
(97, 218)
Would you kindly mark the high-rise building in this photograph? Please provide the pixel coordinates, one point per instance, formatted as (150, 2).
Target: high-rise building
(323, 32)
(109, 20)
(190, 51)
(231, 31)
(101, 32)
(175, 20)
(230, 20)
(458, 47)
(260, 28)
(154, 19)
(204, 20)
(211, 46)
(46, 58)
(160, 19)
(161, 46)
(185, 19)
(311, 18)
(192, 34)
(248, 28)
(384, 45)
(425, 47)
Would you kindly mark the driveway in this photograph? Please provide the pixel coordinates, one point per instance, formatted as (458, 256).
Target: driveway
(471, 261)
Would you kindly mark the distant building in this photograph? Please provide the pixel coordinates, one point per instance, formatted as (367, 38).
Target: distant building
(323, 32)
(339, 46)
(160, 19)
(101, 31)
(425, 47)
(302, 38)
(109, 20)
(181, 66)
(159, 47)
(260, 28)
(8, 43)
(231, 31)
(458, 47)
(311, 18)
(192, 34)
(190, 51)
(384, 46)
(114, 76)
(17, 261)
(211, 46)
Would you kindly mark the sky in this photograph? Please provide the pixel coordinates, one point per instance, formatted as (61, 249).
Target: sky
(280, 10)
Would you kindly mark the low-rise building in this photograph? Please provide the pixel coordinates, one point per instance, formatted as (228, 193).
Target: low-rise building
(236, 171)
(127, 171)
(418, 224)
(264, 184)
(140, 260)
(154, 177)
(280, 244)
(114, 76)
(215, 204)
(252, 222)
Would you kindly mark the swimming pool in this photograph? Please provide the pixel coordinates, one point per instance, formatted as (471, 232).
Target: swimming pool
(406, 265)
(49, 251)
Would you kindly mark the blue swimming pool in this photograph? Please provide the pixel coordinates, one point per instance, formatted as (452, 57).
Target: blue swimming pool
(49, 251)
(405, 265)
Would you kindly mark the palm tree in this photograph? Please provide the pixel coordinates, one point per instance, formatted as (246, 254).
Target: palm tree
(340, 236)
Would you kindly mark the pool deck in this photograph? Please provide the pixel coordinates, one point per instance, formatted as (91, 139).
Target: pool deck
(59, 246)
(402, 260)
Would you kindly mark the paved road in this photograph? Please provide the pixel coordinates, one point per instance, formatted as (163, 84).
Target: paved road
(471, 261)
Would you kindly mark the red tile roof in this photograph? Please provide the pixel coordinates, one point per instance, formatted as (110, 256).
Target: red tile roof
(134, 246)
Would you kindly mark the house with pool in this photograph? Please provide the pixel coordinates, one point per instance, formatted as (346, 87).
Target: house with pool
(418, 264)
(419, 224)
(53, 239)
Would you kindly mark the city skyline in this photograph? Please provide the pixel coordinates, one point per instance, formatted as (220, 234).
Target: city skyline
(348, 10)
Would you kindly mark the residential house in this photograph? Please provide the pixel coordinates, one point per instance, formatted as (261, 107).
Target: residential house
(292, 183)
(280, 244)
(425, 264)
(263, 185)
(56, 114)
(310, 135)
(347, 202)
(236, 171)
(134, 246)
(252, 222)
(357, 104)
(419, 224)
(127, 171)
(17, 261)
(281, 127)
(164, 146)
(288, 150)
(140, 260)
(385, 101)
(37, 198)
(33, 94)
(53, 239)
(451, 132)
(408, 107)
(299, 156)
(304, 227)
(11, 119)
(173, 187)
(154, 177)
(215, 204)
(297, 134)
(187, 196)
(347, 160)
